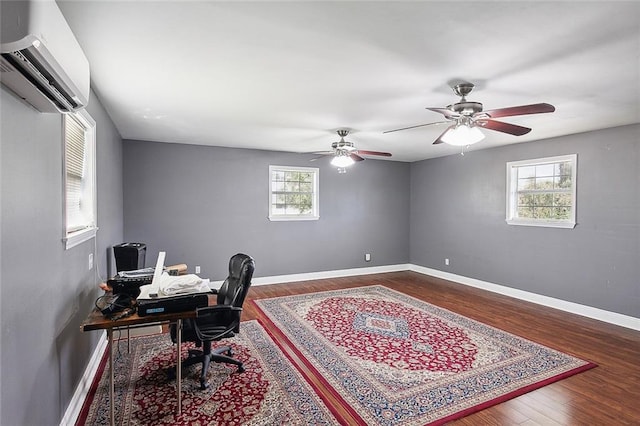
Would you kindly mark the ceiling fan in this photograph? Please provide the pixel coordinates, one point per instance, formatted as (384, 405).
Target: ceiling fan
(345, 153)
(466, 117)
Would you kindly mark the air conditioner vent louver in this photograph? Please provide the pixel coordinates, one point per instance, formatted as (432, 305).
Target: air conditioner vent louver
(5, 67)
(26, 64)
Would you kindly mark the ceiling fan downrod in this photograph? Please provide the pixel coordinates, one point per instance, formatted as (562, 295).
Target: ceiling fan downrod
(463, 89)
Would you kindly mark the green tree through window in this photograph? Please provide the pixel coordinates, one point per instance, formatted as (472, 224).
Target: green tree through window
(542, 191)
(293, 192)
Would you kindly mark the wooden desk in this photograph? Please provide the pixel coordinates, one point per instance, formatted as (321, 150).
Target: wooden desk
(97, 321)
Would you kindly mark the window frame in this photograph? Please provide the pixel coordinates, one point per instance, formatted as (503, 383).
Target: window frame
(72, 238)
(512, 192)
(315, 210)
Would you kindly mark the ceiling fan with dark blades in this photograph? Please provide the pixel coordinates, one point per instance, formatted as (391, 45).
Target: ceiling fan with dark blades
(466, 117)
(345, 153)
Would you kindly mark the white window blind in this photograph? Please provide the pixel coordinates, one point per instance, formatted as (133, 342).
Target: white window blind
(75, 169)
(79, 178)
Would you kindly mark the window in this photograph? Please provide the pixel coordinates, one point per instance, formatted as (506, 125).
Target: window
(293, 193)
(79, 178)
(542, 192)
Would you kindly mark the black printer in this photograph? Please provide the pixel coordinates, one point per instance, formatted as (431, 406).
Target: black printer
(129, 282)
(167, 305)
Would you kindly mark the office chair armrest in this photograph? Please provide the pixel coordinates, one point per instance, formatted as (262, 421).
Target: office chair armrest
(216, 310)
(216, 322)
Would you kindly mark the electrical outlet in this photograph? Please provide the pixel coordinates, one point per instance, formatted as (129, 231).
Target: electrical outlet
(90, 261)
(446, 262)
(367, 257)
(197, 269)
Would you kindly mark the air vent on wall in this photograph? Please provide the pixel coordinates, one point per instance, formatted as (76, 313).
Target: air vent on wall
(42, 61)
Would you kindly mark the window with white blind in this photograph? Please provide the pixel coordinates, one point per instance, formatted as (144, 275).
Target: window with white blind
(293, 193)
(542, 192)
(79, 178)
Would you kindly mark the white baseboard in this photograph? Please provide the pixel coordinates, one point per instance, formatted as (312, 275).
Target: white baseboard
(281, 279)
(79, 396)
(145, 331)
(278, 279)
(574, 308)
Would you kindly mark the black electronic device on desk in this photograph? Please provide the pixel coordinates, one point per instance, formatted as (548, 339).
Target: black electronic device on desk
(172, 304)
(129, 282)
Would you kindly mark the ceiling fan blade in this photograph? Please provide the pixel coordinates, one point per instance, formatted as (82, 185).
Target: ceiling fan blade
(519, 110)
(413, 127)
(445, 111)
(383, 154)
(356, 157)
(319, 154)
(503, 127)
(439, 140)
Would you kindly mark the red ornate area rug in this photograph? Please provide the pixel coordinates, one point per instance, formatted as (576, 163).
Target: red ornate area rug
(270, 392)
(396, 360)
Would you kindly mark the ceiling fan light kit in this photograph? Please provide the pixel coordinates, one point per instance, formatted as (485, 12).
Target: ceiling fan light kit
(342, 160)
(345, 153)
(468, 117)
(462, 135)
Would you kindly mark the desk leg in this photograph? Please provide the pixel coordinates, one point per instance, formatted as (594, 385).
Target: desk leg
(111, 380)
(179, 365)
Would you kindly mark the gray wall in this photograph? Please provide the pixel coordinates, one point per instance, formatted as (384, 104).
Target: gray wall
(458, 212)
(46, 291)
(203, 204)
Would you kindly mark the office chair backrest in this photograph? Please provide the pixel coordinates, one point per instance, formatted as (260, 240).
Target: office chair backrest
(235, 287)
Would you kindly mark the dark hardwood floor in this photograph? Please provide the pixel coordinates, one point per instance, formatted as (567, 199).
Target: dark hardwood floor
(606, 395)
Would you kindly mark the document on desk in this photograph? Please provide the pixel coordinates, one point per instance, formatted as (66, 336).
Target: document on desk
(167, 286)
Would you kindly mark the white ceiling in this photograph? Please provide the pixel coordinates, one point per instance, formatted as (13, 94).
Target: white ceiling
(286, 75)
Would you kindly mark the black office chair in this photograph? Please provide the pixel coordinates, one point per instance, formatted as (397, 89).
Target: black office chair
(218, 322)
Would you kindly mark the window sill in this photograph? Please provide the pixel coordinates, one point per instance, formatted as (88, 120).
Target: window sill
(543, 224)
(292, 218)
(79, 237)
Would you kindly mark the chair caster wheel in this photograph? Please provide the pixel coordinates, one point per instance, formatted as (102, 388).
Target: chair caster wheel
(204, 385)
(230, 353)
(241, 369)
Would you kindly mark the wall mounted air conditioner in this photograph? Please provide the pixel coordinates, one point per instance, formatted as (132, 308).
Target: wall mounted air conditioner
(42, 61)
